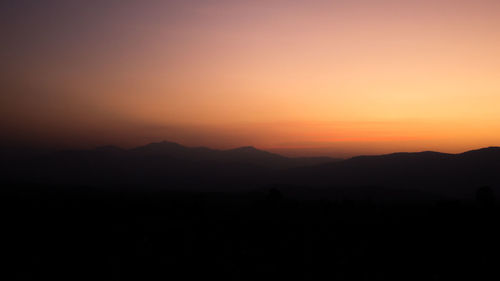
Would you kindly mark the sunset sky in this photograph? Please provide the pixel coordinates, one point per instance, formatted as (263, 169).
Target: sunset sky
(336, 78)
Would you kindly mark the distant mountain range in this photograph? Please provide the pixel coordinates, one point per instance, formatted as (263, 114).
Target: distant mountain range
(163, 164)
(241, 155)
(168, 165)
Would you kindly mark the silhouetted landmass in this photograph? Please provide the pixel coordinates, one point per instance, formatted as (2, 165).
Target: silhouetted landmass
(163, 165)
(170, 166)
(78, 233)
(165, 211)
(242, 155)
(452, 175)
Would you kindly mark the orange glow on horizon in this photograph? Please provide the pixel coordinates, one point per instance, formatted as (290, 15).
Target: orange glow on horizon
(309, 76)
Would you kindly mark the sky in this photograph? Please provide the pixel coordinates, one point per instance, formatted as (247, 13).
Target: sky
(337, 78)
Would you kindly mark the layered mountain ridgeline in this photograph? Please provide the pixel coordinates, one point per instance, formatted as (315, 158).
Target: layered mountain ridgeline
(168, 165)
(151, 214)
(241, 155)
(455, 175)
(159, 165)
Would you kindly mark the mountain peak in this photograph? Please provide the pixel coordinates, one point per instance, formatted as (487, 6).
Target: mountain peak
(163, 144)
(250, 150)
(160, 147)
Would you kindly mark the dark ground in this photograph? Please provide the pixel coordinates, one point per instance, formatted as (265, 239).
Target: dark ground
(70, 233)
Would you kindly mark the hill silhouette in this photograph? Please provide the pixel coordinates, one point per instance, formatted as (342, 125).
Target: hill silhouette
(169, 165)
(247, 155)
(159, 165)
(156, 212)
(440, 173)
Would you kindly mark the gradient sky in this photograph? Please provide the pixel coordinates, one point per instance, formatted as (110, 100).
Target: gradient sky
(297, 77)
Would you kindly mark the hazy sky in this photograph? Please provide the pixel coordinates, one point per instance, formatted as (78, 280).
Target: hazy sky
(296, 77)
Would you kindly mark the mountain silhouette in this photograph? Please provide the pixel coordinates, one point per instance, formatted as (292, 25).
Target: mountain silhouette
(169, 165)
(242, 155)
(440, 173)
(162, 164)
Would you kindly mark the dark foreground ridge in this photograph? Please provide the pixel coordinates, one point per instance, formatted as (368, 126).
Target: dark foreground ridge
(165, 211)
(71, 233)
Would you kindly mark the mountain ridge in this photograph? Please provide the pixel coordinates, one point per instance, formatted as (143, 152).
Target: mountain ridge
(174, 166)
